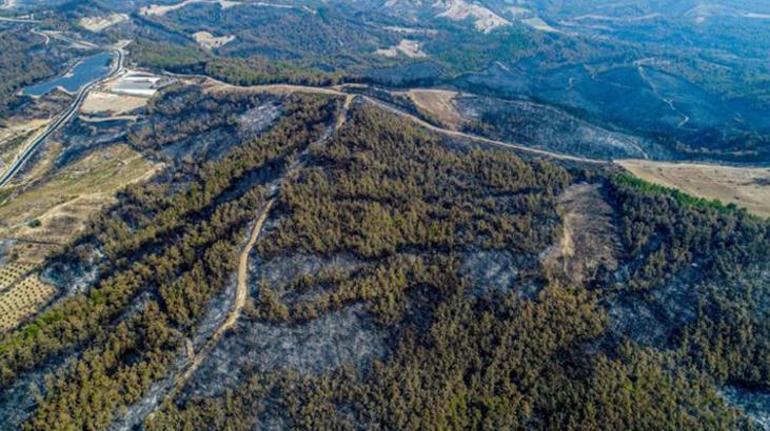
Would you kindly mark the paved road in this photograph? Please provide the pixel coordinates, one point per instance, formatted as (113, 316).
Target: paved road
(60, 121)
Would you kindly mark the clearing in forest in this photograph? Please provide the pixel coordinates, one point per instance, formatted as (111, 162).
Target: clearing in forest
(745, 187)
(438, 104)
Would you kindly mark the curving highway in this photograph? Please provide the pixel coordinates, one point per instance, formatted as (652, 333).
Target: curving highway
(60, 121)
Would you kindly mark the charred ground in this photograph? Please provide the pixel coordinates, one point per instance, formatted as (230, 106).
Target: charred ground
(402, 279)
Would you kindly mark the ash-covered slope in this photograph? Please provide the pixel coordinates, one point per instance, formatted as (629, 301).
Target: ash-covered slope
(398, 279)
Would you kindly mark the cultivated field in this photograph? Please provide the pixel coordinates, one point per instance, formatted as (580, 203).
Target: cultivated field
(22, 299)
(49, 212)
(11, 273)
(745, 187)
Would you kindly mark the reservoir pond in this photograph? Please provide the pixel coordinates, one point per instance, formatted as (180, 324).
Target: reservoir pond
(88, 70)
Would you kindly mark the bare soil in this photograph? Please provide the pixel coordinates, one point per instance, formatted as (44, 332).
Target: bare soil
(589, 239)
(99, 102)
(438, 104)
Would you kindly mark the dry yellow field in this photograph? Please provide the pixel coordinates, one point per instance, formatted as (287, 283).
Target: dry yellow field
(62, 202)
(114, 104)
(746, 187)
(439, 104)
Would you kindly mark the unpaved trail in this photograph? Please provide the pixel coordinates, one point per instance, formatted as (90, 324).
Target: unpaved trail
(242, 289)
(343, 117)
(337, 91)
(241, 293)
(589, 239)
(476, 138)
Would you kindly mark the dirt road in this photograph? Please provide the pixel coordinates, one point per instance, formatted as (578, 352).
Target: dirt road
(337, 91)
(480, 139)
(242, 289)
(241, 293)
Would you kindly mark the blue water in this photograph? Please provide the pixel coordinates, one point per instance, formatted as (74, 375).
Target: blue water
(90, 69)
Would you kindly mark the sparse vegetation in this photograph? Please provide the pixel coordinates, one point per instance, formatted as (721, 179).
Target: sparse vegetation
(56, 208)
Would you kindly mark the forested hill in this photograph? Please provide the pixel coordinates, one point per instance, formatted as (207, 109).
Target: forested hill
(400, 280)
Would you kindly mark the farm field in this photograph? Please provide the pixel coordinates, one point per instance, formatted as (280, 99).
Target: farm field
(23, 299)
(745, 187)
(49, 214)
(11, 273)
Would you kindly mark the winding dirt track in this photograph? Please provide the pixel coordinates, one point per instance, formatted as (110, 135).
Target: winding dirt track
(468, 136)
(338, 91)
(241, 293)
(242, 288)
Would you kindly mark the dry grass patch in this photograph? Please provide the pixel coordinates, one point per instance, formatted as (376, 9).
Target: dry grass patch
(54, 209)
(98, 102)
(162, 10)
(99, 23)
(438, 104)
(13, 139)
(746, 187)
(409, 48)
(209, 41)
